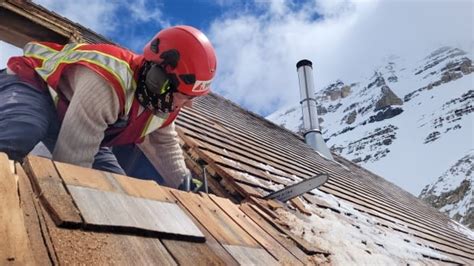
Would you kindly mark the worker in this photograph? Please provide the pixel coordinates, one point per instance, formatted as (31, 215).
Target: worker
(82, 99)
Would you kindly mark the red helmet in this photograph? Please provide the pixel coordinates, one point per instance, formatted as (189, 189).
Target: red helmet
(187, 53)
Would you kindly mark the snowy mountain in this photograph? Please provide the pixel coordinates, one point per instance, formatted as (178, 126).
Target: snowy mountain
(453, 191)
(410, 122)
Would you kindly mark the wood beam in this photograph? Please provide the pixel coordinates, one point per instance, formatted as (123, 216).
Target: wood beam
(18, 30)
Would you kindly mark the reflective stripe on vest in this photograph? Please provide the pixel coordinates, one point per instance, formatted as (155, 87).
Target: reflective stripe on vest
(52, 59)
(39, 51)
(153, 123)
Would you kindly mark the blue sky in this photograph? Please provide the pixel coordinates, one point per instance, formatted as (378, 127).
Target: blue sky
(258, 42)
(197, 13)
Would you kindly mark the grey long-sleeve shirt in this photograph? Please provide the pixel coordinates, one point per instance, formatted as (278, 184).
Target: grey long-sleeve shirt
(93, 106)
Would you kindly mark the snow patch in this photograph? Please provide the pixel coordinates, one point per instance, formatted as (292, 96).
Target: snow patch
(354, 237)
(462, 229)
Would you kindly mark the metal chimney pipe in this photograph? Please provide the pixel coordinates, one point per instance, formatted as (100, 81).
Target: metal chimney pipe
(312, 132)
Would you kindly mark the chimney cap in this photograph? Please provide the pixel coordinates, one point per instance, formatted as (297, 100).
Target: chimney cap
(304, 62)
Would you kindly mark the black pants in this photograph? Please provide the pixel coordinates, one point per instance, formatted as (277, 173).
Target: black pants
(135, 163)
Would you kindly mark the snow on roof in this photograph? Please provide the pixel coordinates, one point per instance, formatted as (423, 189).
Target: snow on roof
(258, 181)
(272, 169)
(354, 236)
(462, 229)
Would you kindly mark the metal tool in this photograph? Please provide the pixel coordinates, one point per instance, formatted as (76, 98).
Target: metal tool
(204, 169)
(298, 189)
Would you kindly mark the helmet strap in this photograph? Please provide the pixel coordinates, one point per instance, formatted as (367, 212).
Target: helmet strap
(147, 98)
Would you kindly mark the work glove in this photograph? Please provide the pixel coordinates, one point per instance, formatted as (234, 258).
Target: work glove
(191, 184)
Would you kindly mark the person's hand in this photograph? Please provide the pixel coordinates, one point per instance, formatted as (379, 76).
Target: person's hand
(191, 184)
(186, 184)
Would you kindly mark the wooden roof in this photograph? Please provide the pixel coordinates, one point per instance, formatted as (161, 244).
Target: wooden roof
(23, 21)
(252, 157)
(46, 221)
(244, 156)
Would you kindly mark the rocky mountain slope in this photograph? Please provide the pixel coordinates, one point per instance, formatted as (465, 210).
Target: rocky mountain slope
(450, 192)
(410, 122)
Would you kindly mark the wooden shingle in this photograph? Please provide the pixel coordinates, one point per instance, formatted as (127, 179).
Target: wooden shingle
(111, 210)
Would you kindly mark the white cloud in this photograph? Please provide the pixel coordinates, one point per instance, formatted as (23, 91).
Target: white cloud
(112, 18)
(331, 8)
(145, 11)
(276, 7)
(257, 51)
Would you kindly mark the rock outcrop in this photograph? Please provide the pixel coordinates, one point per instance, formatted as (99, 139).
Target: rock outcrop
(452, 192)
(387, 99)
(337, 91)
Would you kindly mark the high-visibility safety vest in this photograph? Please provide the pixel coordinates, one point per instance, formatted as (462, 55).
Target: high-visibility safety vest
(43, 63)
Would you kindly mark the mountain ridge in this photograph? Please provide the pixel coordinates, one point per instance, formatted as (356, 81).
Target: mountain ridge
(405, 122)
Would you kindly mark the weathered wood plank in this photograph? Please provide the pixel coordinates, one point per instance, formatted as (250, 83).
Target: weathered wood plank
(250, 191)
(298, 204)
(37, 240)
(78, 247)
(122, 212)
(233, 160)
(53, 195)
(185, 253)
(228, 177)
(134, 209)
(257, 183)
(307, 247)
(287, 243)
(263, 238)
(42, 217)
(221, 226)
(86, 177)
(105, 181)
(18, 30)
(198, 170)
(14, 246)
(143, 188)
(11, 164)
(250, 256)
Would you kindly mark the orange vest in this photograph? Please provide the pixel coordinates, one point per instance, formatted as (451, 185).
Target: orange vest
(42, 66)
